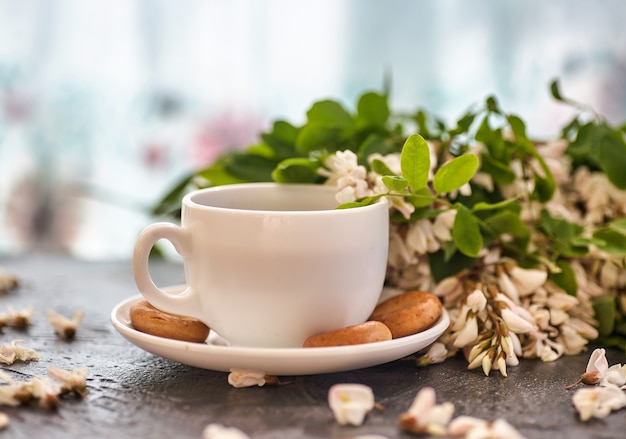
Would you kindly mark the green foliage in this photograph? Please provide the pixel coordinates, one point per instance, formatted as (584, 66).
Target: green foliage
(486, 140)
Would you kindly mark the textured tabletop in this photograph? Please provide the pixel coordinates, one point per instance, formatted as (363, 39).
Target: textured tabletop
(135, 394)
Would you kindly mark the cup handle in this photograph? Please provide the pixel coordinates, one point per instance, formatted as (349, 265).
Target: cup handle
(185, 303)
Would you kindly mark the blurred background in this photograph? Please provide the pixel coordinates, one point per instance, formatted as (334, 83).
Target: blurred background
(105, 104)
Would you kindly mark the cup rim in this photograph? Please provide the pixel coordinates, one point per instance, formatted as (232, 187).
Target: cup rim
(189, 202)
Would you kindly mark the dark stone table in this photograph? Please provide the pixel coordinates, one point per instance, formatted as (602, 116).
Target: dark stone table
(134, 394)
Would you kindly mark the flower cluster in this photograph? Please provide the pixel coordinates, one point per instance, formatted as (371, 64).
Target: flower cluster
(524, 241)
(500, 311)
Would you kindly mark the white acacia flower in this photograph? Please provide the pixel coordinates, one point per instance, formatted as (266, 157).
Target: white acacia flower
(219, 431)
(4, 420)
(17, 318)
(425, 416)
(442, 227)
(246, 378)
(449, 289)
(468, 334)
(401, 205)
(13, 352)
(599, 372)
(598, 402)
(483, 179)
(64, 327)
(74, 381)
(46, 392)
(8, 394)
(476, 300)
(7, 281)
(420, 237)
(350, 403)
(544, 348)
(399, 254)
(338, 165)
(516, 323)
(507, 287)
(573, 342)
(527, 280)
(437, 353)
(470, 427)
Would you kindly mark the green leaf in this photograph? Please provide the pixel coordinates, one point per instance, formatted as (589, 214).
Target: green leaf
(463, 124)
(379, 167)
(317, 136)
(420, 198)
(446, 263)
(171, 201)
(565, 279)
(508, 222)
(518, 126)
(375, 143)
(555, 91)
(250, 168)
(482, 205)
(466, 232)
(492, 104)
(611, 155)
(618, 225)
(331, 114)
(363, 202)
(296, 170)
(282, 139)
(395, 183)
(455, 173)
(499, 171)
(415, 161)
(611, 241)
(373, 109)
(604, 309)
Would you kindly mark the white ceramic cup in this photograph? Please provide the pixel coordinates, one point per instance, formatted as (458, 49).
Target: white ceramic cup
(268, 265)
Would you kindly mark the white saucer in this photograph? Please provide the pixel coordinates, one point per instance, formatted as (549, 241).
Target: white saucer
(215, 354)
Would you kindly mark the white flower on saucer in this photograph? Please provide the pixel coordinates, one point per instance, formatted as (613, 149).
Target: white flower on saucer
(425, 416)
(350, 403)
(218, 431)
(598, 402)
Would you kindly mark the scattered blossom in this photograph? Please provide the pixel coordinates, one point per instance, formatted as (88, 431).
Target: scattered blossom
(71, 381)
(43, 390)
(607, 396)
(219, 431)
(17, 318)
(13, 352)
(350, 403)
(598, 402)
(599, 372)
(470, 427)
(64, 327)
(436, 353)
(425, 416)
(8, 281)
(46, 392)
(249, 378)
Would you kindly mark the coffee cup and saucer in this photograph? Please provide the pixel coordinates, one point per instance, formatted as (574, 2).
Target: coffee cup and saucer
(266, 266)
